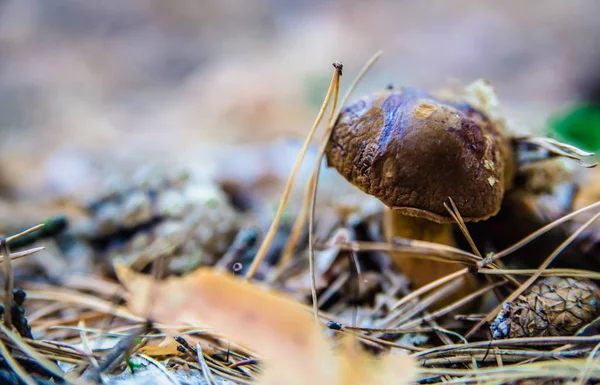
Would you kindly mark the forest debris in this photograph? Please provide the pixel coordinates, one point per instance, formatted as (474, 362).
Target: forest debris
(554, 306)
(281, 331)
(168, 347)
(159, 213)
(18, 313)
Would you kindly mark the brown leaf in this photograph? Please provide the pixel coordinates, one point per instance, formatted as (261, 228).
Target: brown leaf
(283, 333)
(166, 348)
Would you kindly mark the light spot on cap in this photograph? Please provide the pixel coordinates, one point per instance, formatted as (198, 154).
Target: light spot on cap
(423, 111)
(492, 181)
(488, 164)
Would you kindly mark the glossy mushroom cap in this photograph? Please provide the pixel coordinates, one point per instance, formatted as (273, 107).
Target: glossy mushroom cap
(413, 151)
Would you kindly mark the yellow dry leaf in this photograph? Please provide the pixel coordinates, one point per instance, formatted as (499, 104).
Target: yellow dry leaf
(275, 326)
(166, 348)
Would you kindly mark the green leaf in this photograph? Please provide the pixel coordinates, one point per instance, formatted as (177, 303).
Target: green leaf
(579, 126)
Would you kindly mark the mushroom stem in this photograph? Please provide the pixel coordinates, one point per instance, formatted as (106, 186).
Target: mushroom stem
(418, 270)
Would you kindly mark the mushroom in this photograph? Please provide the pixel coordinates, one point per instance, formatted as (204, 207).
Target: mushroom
(413, 151)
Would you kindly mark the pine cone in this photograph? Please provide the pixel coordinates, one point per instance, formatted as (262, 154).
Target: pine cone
(553, 306)
(159, 212)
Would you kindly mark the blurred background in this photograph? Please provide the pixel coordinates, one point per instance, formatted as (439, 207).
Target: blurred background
(230, 87)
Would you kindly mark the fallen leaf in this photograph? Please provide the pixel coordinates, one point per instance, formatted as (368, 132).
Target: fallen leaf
(282, 332)
(168, 347)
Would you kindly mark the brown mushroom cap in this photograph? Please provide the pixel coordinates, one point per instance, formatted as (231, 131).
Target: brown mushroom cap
(413, 151)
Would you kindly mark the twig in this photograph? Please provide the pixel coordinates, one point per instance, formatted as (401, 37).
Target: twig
(205, 370)
(264, 247)
(303, 214)
(313, 201)
(536, 234)
(531, 341)
(14, 365)
(41, 360)
(592, 362)
(22, 254)
(23, 233)
(8, 284)
(161, 368)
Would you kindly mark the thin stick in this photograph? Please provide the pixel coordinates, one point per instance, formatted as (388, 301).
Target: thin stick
(39, 358)
(453, 306)
(560, 149)
(23, 233)
(539, 232)
(205, 370)
(445, 291)
(422, 249)
(592, 362)
(317, 172)
(430, 286)
(8, 284)
(14, 365)
(264, 247)
(161, 368)
(311, 218)
(292, 242)
(556, 272)
(462, 226)
(85, 345)
(303, 214)
(23, 254)
(531, 279)
(525, 341)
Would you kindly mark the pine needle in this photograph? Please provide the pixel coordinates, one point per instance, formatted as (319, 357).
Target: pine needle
(14, 365)
(303, 214)
(264, 247)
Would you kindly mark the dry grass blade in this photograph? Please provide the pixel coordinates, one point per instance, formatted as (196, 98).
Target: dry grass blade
(453, 306)
(573, 273)
(531, 279)
(23, 233)
(8, 283)
(592, 362)
(332, 289)
(86, 345)
(444, 291)
(262, 251)
(85, 301)
(430, 286)
(512, 353)
(506, 374)
(205, 370)
(525, 341)
(560, 149)
(8, 276)
(295, 233)
(22, 254)
(98, 285)
(538, 233)
(313, 200)
(303, 214)
(427, 250)
(14, 365)
(462, 226)
(39, 358)
(161, 368)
